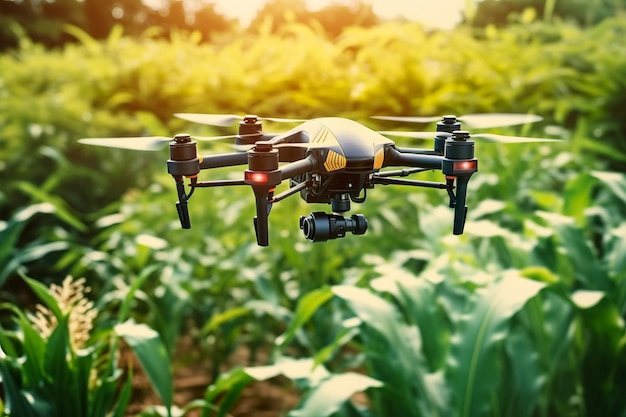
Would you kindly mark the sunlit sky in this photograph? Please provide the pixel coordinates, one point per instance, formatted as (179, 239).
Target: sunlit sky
(435, 13)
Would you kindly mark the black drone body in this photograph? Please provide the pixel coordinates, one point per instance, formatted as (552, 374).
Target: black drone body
(328, 160)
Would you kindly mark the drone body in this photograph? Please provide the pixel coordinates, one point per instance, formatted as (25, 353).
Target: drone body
(328, 160)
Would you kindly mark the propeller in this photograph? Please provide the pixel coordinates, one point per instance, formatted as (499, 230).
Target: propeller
(486, 137)
(227, 119)
(302, 145)
(145, 143)
(476, 121)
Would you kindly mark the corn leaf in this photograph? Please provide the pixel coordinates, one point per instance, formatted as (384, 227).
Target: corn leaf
(475, 355)
(330, 394)
(307, 306)
(44, 295)
(152, 355)
(60, 375)
(395, 352)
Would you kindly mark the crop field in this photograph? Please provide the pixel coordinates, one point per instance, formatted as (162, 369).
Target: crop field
(107, 304)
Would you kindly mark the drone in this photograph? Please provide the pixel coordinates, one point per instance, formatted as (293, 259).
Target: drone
(330, 160)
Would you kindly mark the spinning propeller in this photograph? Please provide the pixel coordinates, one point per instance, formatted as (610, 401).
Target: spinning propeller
(447, 125)
(486, 137)
(228, 119)
(476, 121)
(145, 143)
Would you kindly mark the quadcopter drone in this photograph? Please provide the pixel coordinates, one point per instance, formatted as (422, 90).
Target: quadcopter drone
(329, 160)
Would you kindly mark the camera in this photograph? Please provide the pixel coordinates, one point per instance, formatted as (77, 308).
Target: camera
(320, 227)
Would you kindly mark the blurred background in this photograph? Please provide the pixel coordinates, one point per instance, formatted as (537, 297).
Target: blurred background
(523, 315)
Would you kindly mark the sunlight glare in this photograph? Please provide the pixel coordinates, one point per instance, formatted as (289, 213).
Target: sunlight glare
(443, 14)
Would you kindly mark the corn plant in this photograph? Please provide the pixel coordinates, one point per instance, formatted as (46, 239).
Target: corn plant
(54, 363)
(47, 369)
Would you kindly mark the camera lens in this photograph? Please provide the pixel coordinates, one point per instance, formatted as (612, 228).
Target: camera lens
(320, 227)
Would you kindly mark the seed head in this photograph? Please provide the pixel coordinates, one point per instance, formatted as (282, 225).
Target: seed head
(70, 296)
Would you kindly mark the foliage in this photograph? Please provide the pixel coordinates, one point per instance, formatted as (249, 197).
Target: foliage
(45, 360)
(57, 354)
(503, 12)
(45, 22)
(532, 297)
(467, 335)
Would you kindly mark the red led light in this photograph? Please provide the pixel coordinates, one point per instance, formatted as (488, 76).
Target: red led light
(257, 177)
(465, 166)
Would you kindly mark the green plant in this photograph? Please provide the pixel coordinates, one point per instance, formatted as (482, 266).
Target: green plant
(48, 369)
(55, 363)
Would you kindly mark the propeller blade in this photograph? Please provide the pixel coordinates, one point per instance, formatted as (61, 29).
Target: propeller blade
(227, 119)
(210, 119)
(492, 138)
(215, 138)
(410, 119)
(146, 143)
(282, 120)
(486, 137)
(413, 135)
(485, 121)
(476, 121)
(305, 145)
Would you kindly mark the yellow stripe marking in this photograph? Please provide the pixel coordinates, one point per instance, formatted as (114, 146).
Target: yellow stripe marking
(379, 158)
(334, 161)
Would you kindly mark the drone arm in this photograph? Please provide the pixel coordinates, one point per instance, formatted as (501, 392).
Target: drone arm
(418, 151)
(395, 157)
(458, 165)
(223, 160)
(298, 167)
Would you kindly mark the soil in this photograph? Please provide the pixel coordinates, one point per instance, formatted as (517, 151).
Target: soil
(270, 398)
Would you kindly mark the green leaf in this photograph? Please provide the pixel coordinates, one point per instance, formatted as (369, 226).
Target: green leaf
(61, 210)
(373, 311)
(229, 386)
(291, 368)
(152, 355)
(585, 299)
(348, 333)
(10, 232)
(60, 372)
(616, 182)
(522, 391)
(224, 317)
(123, 399)
(43, 293)
(604, 331)
(307, 306)
(577, 197)
(18, 402)
(417, 299)
(130, 294)
(34, 349)
(475, 356)
(587, 267)
(394, 350)
(331, 393)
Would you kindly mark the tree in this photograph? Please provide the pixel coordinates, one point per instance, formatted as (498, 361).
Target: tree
(44, 20)
(334, 18)
(587, 13)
